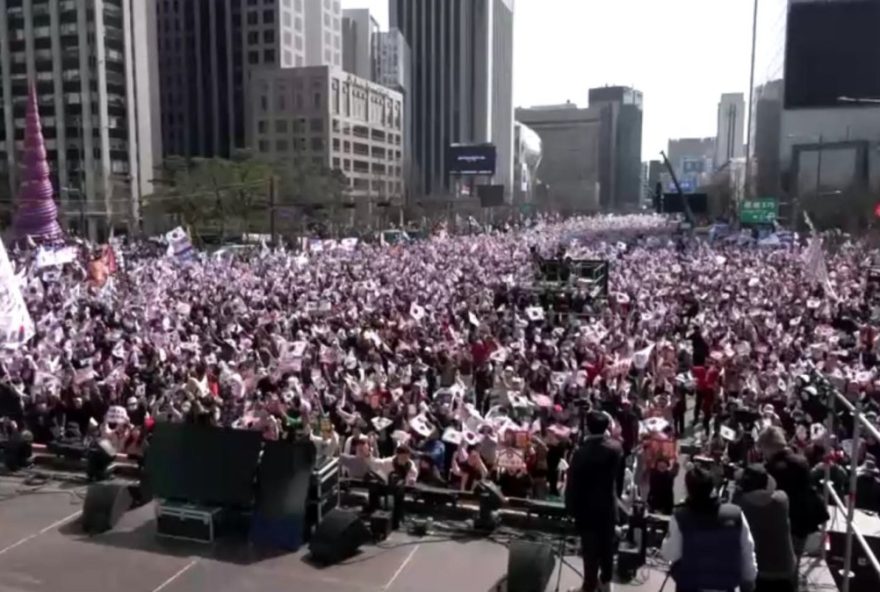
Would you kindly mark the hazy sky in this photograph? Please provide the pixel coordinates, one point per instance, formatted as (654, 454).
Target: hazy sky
(682, 54)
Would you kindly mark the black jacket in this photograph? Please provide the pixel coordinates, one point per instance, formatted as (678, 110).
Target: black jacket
(591, 489)
(792, 474)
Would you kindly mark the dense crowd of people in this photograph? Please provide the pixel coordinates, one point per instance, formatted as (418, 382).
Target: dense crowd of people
(443, 361)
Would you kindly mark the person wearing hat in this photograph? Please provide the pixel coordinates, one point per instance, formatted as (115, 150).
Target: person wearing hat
(709, 544)
(766, 510)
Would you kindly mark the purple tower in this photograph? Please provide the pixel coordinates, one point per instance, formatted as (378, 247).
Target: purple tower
(36, 214)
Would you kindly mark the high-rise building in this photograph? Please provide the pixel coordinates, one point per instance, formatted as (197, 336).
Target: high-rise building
(731, 123)
(570, 146)
(394, 70)
(462, 83)
(97, 85)
(621, 145)
(360, 39)
(323, 24)
(208, 49)
(336, 120)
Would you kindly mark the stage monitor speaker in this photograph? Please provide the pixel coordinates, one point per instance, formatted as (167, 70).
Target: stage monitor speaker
(864, 579)
(104, 505)
(338, 537)
(529, 566)
(283, 478)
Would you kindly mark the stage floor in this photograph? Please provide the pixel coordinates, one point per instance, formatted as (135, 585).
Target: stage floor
(42, 549)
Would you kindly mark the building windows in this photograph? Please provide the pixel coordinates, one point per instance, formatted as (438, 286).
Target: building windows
(269, 36)
(264, 146)
(268, 17)
(262, 126)
(253, 57)
(281, 126)
(288, 38)
(269, 56)
(298, 24)
(253, 18)
(281, 146)
(264, 103)
(317, 125)
(288, 58)
(317, 100)
(253, 37)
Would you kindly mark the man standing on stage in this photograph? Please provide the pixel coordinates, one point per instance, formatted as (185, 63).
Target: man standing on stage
(591, 498)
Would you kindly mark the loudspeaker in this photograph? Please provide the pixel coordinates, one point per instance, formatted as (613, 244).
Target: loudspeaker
(529, 566)
(104, 505)
(98, 459)
(338, 537)
(284, 475)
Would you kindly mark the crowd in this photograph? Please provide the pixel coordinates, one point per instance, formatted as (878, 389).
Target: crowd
(441, 362)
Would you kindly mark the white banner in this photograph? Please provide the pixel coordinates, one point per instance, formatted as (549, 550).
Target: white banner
(49, 258)
(16, 325)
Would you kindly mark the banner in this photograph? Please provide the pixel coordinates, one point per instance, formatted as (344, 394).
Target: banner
(51, 258)
(16, 325)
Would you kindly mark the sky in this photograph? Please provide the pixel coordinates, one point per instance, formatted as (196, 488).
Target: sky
(682, 54)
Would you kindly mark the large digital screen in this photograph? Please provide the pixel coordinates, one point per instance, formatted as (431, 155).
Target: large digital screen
(471, 159)
(832, 51)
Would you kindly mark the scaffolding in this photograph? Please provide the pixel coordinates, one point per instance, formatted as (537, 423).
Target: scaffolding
(861, 425)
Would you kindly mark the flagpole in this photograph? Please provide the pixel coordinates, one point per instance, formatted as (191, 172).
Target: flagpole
(748, 180)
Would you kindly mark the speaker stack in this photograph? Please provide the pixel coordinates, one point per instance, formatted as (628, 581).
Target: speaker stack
(529, 566)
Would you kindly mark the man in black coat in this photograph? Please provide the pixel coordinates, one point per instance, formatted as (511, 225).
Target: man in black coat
(591, 499)
(792, 475)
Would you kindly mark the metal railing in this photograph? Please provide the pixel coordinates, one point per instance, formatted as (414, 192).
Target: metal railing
(860, 424)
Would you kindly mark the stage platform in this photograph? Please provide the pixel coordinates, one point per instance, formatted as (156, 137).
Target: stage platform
(42, 549)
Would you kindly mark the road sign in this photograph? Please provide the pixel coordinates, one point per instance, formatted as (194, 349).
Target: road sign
(759, 211)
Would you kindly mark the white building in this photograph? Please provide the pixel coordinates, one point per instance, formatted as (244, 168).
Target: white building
(97, 85)
(360, 37)
(337, 121)
(731, 128)
(323, 22)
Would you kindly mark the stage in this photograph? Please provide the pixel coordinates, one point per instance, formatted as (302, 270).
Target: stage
(42, 549)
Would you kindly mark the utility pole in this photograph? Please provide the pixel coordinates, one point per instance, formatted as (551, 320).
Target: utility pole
(272, 207)
(748, 180)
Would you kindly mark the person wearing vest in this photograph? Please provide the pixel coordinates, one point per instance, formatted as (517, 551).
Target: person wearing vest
(709, 545)
(766, 510)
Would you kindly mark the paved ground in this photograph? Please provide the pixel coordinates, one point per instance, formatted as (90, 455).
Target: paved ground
(42, 549)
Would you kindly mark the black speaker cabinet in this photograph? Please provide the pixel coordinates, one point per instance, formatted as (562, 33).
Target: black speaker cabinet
(104, 505)
(338, 537)
(529, 566)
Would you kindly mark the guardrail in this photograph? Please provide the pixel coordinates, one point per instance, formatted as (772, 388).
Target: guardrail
(860, 424)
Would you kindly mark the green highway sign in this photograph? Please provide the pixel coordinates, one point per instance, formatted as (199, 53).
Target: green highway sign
(759, 211)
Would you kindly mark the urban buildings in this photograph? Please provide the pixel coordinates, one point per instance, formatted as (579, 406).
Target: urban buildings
(691, 159)
(462, 84)
(97, 87)
(207, 49)
(336, 120)
(621, 146)
(731, 123)
(570, 165)
(360, 39)
(527, 154)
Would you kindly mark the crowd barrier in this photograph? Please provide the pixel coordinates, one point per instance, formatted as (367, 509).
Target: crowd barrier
(853, 534)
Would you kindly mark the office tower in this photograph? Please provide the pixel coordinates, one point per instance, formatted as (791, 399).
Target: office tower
(620, 155)
(336, 120)
(394, 70)
(323, 32)
(207, 50)
(96, 84)
(570, 155)
(731, 124)
(360, 39)
(462, 83)
(691, 159)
